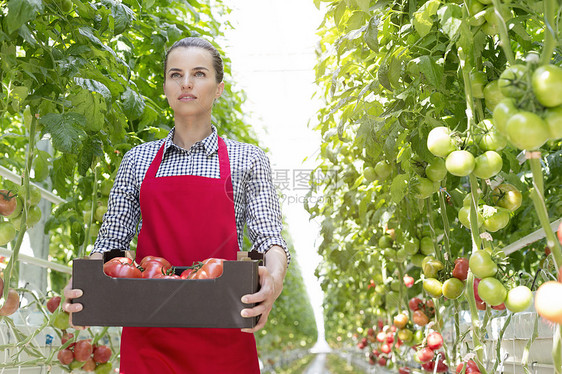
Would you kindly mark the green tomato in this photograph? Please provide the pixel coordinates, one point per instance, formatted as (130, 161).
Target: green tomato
(107, 184)
(34, 195)
(104, 368)
(490, 139)
(492, 291)
(513, 81)
(426, 246)
(507, 196)
(482, 265)
(60, 320)
(433, 287)
(431, 266)
(439, 141)
(478, 81)
(497, 221)
(383, 169)
(518, 299)
(487, 165)
(460, 163)
(100, 211)
(503, 111)
(424, 188)
(436, 170)
(412, 246)
(401, 255)
(464, 217)
(33, 216)
(453, 288)
(526, 130)
(553, 119)
(75, 365)
(547, 85)
(492, 94)
(385, 241)
(489, 28)
(19, 208)
(7, 232)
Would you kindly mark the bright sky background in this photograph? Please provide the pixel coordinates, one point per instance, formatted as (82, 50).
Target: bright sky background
(272, 51)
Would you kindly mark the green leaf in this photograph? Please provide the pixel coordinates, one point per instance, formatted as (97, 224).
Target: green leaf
(398, 187)
(422, 17)
(66, 130)
(94, 86)
(339, 12)
(432, 71)
(92, 106)
(450, 16)
(122, 15)
(364, 5)
(372, 34)
(356, 20)
(91, 147)
(20, 12)
(133, 104)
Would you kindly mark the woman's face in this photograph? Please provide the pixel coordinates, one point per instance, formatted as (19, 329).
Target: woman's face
(190, 84)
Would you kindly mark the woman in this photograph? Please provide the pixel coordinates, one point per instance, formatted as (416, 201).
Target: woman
(193, 207)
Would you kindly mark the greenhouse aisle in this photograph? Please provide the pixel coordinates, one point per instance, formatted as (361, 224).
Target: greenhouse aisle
(318, 366)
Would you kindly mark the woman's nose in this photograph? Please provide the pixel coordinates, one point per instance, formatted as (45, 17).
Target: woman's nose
(186, 82)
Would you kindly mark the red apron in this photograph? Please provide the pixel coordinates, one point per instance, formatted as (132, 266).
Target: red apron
(187, 218)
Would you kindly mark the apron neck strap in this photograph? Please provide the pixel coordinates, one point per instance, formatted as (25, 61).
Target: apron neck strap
(224, 162)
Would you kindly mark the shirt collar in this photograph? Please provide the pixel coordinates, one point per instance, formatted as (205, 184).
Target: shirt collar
(210, 143)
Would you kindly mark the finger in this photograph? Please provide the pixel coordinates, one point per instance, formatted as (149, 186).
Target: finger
(72, 308)
(258, 326)
(72, 293)
(255, 311)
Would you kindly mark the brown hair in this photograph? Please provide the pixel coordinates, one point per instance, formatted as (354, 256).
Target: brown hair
(199, 43)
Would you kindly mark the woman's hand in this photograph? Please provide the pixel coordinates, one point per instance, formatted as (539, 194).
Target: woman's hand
(271, 284)
(69, 294)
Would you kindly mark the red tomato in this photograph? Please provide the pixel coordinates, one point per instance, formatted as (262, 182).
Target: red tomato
(8, 202)
(90, 365)
(213, 268)
(499, 307)
(166, 276)
(408, 281)
(385, 348)
(420, 318)
(480, 305)
(471, 367)
(53, 303)
(475, 287)
(65, 356)
(425, 354)
(102, 354)
(461, 269)
(404, 370)
(381, 337)
(154, 269)
(159, 260)
(434, 340)
(11, 304)
(118, 268)
(187, 274)
(382, 361)
(415, 303)
(560, 233)
(66, 337)
(83, 350)
(401, 320)
(548, 302)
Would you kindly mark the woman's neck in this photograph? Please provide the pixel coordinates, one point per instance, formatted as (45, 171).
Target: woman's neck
(188, 133)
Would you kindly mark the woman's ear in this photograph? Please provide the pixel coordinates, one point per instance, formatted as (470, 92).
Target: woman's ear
(220, 89)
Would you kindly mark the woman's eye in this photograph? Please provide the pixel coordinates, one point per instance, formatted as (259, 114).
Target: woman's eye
(199, 74)
(175, 75)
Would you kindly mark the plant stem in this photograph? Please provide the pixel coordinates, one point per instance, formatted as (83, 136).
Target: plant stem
(478, 347)
(550, 10)
(438, 253)
(92, 210)
(525, 355)
(446, 227)
(537, 195)
(10, 272)
(557, 350)
(498, 346)
(474, 230)
(504, 37)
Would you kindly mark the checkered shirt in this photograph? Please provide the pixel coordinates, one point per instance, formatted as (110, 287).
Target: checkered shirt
(255, 200)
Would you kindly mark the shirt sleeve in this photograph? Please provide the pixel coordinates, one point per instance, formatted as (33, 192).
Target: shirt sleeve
(263, 213)
(123, 210)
